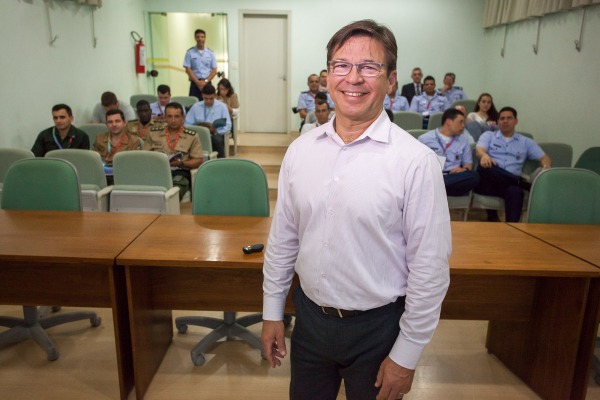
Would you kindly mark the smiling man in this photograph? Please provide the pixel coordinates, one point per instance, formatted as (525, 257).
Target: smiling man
(362, 218)
(63, 135)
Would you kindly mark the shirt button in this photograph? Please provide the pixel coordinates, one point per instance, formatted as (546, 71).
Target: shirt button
(326, 244)
(331, 212)
(323, 275)
(336, 179)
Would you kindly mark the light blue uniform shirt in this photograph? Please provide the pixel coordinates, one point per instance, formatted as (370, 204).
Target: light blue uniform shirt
(398, 104)
(425, 106)
(158, 110)
(200, 113)
(510, 154)
(200, 61)
(456, 93)
(306, 101)
(458, 151)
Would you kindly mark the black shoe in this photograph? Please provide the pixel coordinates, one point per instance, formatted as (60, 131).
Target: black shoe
(492, 216)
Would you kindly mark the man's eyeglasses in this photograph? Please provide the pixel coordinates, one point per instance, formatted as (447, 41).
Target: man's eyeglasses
(365, 69)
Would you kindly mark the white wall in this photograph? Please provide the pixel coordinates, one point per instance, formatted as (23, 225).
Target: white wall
(35, 76)
(555, 92)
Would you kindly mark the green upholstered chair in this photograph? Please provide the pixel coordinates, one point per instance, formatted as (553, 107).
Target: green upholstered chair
(227, 187)
(435, 121)
(416, 132)
(150, 98)
(204, 135)
(590, 159)
(94, 190)
(560, 153)
(565, 196)
(93, 130)
(468, 104)
(408, 120)
(143, 183)
(7, 158)
(41, 184)
(186, 101)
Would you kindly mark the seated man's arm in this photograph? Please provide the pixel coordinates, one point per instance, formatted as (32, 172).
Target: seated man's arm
(484, 158)
(38, 148)
(546, 161)
(209, 126)
(200, 84)
(195, 155)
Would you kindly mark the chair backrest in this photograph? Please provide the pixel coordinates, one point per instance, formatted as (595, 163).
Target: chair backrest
(529, 135)
(408, 120)
(185, 101)
(88, 164)
(92, 130)
(416, 132)
(150, 98)
(560, 153)
(9, 156)
(565, 196)
(230, 186)
(204, 136)
(468, 104)
(435, 120)
(142, 168)
(475, 129)
(590, 159)
(41, 184)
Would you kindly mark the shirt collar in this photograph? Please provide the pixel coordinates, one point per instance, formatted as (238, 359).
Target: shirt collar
(378, 131)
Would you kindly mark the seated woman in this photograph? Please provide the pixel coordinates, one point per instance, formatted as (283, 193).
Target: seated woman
(226, 94)
(485, 113)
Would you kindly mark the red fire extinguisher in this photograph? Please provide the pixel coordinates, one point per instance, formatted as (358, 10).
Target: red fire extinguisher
(140, 53)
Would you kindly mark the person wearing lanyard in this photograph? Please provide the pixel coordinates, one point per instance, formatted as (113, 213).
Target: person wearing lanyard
(63, 135)
(394, 102)
(429, 101)
(207, 113)
(362, 218)
(117, 139)
(141, 126)
(180, 144)
(163, 93)
(200, 64)
(449, 143)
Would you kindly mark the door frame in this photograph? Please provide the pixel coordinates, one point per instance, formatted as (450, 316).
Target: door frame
(243, 78)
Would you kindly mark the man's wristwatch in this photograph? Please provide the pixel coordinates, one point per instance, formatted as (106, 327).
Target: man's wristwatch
(206, 80)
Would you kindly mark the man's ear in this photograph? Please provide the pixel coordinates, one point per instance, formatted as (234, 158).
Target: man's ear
(393, 78)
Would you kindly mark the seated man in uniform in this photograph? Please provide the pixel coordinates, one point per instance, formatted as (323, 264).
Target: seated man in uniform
(141, 126)
(180, 144)
(394, 101)
(322, 112)
(108, 101)
(63, 135)
(429, 101)
(451, 92)
(208, 111)
(163, 93)
(502, 154)
(448, 141)
(117, 139)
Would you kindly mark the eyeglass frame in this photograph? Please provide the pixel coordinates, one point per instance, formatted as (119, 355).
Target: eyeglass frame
(358, 66)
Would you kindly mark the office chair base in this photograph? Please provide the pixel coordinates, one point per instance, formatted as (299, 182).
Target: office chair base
(230, 327)
(32, 326)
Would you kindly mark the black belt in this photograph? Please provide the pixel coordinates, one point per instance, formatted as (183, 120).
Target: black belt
(338, 312)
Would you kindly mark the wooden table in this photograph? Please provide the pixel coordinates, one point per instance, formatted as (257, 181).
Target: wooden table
(68, 259)
(541, 302)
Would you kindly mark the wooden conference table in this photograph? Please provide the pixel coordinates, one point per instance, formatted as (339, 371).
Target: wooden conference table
(68, 259)
(542, 303)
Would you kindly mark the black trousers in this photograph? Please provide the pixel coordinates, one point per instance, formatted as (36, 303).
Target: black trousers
(326, 349)
(194, 91)
(460, 183)
(182, 178)
(496, 181)
(218, 144)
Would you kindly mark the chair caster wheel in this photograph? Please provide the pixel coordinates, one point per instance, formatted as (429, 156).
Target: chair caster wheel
(198, 360)
(182, 328)
(96, 321)
(53, 355)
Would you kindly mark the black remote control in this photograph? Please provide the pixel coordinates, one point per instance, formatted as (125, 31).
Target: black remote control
(255, 248)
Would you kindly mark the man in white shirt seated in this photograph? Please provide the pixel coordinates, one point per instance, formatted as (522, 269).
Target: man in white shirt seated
(449, 143)
(163, 92)
(212, 114)
(108, 101)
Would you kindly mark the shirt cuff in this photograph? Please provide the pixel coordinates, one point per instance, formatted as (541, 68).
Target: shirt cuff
(405, 353)
(273, 308)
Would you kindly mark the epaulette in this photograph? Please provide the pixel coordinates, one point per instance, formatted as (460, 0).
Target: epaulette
(189, 131)
(458, 87)
(190, 48)
(305, 92)
(156, 128)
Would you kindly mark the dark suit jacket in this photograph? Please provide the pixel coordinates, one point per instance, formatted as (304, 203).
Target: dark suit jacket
(408, 91)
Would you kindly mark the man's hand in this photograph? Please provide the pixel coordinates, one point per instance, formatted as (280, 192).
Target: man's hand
(393, 380)
(486, 161)
(273, 341)
(457, 170)
(200, 84)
